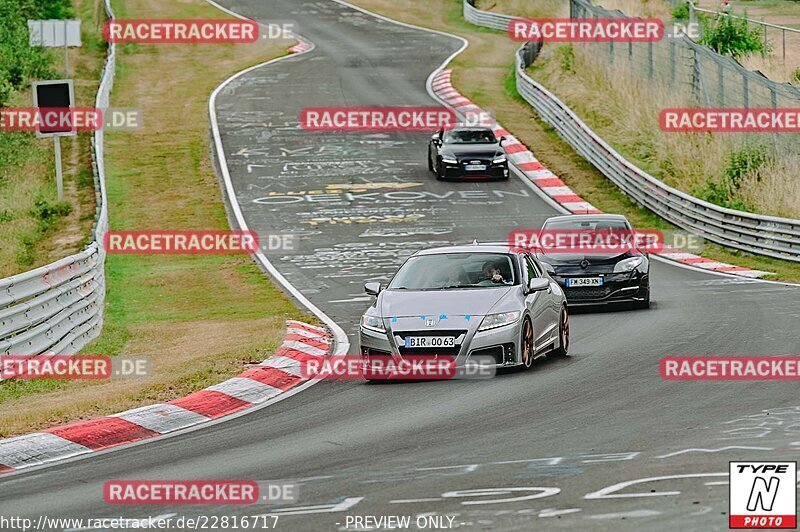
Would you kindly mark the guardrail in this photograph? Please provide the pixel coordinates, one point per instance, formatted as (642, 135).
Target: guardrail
(764, 235)
(58, 308)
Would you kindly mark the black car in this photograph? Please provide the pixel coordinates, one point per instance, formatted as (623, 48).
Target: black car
(467, 152)
(597, 276)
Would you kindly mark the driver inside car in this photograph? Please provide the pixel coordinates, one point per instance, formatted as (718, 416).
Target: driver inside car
(491, 275)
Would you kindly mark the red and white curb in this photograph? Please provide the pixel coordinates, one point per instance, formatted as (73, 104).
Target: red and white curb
(553, 187)
(274, 376)
(302, 46)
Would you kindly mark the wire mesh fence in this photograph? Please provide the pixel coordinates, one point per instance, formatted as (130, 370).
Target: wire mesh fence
(695, 75)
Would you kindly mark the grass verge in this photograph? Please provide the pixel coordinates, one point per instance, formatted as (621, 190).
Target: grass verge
(484, 72)
(197, 319)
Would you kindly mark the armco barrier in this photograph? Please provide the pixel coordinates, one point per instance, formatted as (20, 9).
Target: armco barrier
(764, 235)
(58, 308)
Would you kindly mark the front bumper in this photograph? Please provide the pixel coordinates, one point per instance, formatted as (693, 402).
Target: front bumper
(496, 347)
(617, 288)
(458, 171)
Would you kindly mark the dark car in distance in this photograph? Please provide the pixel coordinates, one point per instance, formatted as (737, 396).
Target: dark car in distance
(467, 153)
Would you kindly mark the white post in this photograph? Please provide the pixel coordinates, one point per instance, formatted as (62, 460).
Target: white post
(59, 177)
(66, 49)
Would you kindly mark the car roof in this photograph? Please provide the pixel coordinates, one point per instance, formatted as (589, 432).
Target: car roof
(470, 128)
(492, 247)
(579, 217)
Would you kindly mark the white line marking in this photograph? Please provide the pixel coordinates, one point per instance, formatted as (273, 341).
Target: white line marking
(405, 501)
(606, 493)
(623, 515)
(728, 448)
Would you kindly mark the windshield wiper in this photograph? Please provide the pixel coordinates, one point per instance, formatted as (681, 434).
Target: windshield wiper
(459, 286)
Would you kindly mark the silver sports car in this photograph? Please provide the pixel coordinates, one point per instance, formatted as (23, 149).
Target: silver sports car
(479, 300)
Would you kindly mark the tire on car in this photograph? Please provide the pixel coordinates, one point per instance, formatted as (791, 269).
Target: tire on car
(563, 333)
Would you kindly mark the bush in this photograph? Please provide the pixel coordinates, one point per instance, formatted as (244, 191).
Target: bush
(50, 9)
(741, 163)
(732, 36)
(46, 212)
(745, 161)
(566, 55)
(20, 62)
(681, 11)
(795, 77)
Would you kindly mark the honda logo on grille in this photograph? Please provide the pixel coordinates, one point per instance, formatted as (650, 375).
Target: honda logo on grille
(584, 264)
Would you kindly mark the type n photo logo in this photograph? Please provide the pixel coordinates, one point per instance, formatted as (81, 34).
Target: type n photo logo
(763, 495)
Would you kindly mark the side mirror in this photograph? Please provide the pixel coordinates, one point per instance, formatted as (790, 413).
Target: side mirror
(372, 289)
(502, 140)
(436, 137)
(548, 267)
(538, 284)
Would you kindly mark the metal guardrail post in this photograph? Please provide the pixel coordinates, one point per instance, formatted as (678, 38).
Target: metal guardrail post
(696, 77)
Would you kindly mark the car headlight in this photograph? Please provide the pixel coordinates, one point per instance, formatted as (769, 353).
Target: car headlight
(492, 321)
(372, 323)
(499, 160)
(449, 160)
(628, 265)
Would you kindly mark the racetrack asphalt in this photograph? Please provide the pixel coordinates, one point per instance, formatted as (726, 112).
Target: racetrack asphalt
(461, 449)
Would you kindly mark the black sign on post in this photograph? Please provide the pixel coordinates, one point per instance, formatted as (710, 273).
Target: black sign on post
(57, 96)
(53, 101)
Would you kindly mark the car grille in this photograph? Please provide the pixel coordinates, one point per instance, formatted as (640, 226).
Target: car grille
(486, 162)
(587, 293)
(429, 352)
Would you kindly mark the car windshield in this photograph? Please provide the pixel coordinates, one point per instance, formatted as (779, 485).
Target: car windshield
(587, 225)
(446, 271)
(469, 136)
